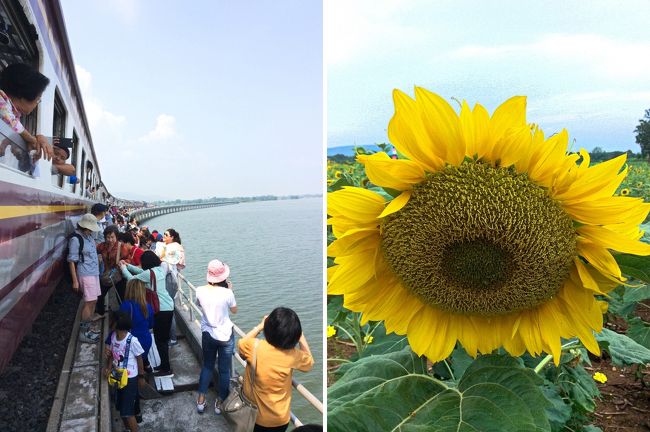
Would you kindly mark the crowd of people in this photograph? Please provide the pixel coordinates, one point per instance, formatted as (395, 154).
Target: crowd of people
(110, 253)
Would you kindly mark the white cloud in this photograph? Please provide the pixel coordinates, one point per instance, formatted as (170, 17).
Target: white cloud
(612, 58)
(354, 28)
(165, 129)
(107, 128)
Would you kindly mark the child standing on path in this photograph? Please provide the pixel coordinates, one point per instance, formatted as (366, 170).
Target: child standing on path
(84, 267)
(123, 351)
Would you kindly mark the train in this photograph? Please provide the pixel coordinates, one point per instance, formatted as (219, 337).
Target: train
(35, 205)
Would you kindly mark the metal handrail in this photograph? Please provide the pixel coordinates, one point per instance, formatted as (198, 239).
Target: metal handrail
(302, 390)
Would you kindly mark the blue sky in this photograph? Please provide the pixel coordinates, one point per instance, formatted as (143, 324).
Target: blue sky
(584, 65)
(202, 99)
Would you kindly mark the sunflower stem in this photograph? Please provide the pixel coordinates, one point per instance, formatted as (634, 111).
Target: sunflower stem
(549, 357)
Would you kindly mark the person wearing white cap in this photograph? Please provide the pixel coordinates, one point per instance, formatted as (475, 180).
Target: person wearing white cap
(218, 338)
(84, 267)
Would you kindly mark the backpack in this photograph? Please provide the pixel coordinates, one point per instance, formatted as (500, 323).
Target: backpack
(66, 268)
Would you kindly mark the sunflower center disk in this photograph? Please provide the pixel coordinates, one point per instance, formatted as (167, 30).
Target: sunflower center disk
(480, 240)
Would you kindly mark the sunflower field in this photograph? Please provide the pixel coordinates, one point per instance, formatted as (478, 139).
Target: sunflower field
(483, 278)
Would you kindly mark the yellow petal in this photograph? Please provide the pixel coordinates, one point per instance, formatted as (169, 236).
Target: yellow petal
(355, 203)
(599, 257)
(441, 125)
(354, 271)
(354, 241)
(606, 211)
(396, 204)
(510, 114)
(407, 134)
(399, 174)
(595, 182)
(606, 238)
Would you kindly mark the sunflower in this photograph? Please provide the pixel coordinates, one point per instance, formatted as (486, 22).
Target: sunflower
(625, 192)
(337, 174)
(495, 237)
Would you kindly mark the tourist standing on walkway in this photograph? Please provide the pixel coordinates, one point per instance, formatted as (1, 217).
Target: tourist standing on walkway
(153, 271)
(277, 356)
(171, 252)
(218, 338)
(108, 255)
(135, 304)
(84, 267)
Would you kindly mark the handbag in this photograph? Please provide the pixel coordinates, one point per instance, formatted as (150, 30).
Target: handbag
(119, 377)
(171, 283)
(152, 294)
(112, 276)
(238, 410)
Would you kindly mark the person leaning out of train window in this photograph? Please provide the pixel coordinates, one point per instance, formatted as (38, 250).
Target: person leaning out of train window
(154, 269)
(277, 357)
(21, 87)
(59, 165)
(84, 267)
(131, 254)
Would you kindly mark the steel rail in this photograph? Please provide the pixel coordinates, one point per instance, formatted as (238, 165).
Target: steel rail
(194, 309)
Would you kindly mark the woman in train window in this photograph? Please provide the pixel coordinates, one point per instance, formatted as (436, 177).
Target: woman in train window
(277, 356)
(218, 338)
(153, 268)
(21, 87)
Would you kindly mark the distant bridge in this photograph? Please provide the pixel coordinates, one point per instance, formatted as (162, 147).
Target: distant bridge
(148, 213)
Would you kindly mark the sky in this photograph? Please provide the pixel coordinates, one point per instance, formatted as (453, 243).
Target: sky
(200, 99)
(583, 65)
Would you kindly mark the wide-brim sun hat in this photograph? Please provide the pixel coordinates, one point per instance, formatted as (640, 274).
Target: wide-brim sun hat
(89, 222)
(217, 271)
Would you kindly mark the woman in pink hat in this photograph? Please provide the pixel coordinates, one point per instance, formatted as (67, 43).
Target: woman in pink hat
(218, 339)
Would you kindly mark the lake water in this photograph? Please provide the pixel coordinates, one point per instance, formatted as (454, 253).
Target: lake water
(274, 250)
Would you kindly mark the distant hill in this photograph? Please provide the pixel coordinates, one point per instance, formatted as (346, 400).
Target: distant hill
(349, 150)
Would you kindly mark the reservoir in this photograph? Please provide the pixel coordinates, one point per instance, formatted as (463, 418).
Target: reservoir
(275, 253)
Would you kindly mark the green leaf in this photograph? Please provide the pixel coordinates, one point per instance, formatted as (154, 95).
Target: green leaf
(636, 294)
(559, 413)
(335, 311)
(639, 331)
(622, 349)
(384, 343)
(391, 392)
(636, 266)
(460, 361)
(345, 180)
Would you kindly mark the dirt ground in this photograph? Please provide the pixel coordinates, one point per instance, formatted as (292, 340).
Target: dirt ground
(625, 401)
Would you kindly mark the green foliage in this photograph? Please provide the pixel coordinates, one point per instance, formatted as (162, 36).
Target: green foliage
(643, 134)
(394, 392)
(622, 349)
(639, 331)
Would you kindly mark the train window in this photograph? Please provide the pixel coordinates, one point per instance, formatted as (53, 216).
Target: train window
(18, 45)
(74, 151)
(82, 174)
(58, 126)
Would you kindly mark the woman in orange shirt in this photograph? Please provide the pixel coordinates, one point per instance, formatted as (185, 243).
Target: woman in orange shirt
(277, 356)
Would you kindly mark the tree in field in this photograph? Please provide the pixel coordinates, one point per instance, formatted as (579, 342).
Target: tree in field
(643, 134)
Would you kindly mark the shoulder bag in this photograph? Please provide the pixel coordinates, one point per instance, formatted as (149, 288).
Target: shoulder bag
(152, 294)
(238, 410)
(112, 276)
